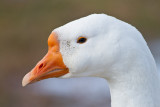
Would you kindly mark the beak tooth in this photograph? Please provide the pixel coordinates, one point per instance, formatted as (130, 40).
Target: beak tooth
(26, 79)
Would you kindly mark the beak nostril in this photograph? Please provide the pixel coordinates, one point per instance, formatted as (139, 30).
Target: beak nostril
(41, 66)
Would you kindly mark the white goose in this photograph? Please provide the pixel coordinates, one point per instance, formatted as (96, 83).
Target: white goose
(102, 46)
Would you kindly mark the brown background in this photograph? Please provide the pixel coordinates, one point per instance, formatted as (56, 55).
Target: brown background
(25, 26)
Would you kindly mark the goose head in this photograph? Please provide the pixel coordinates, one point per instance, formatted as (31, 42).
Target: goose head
(97, 45)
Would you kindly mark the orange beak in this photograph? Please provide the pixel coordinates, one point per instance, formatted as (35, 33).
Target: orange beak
(50, 66)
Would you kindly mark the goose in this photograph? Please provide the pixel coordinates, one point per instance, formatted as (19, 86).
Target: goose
(102, 46)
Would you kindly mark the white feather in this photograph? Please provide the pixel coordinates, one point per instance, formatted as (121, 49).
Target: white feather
(116, 51)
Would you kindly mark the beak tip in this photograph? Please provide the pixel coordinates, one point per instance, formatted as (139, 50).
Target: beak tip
(26, 80)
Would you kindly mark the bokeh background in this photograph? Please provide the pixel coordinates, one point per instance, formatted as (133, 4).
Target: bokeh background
(24, 28)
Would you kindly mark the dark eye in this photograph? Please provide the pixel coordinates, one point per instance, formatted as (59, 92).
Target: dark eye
(81, 40)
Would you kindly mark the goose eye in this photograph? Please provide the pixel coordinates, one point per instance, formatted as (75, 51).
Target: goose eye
(81, 40)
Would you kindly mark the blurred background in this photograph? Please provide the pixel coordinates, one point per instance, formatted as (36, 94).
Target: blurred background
(24, 28)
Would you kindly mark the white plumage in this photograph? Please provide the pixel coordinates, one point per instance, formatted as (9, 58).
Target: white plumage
(116, 51)
(110, 49)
